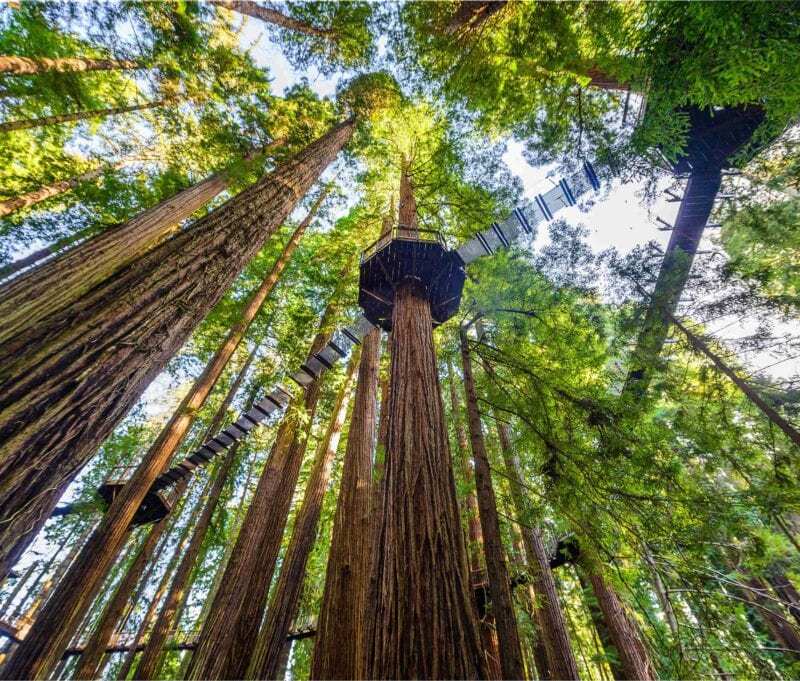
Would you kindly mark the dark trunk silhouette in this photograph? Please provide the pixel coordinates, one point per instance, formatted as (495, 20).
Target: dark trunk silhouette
(340, 628)
(73, 378)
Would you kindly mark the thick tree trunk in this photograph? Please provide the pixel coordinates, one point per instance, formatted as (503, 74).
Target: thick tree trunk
(549, 615)
(634, 659)
(94, 650)
(47, 191)
(27, 66)
(786, 591)
(272, 16)
(73, 378)
(53, 287)
(751, 394)
(340, 627)
(57, 119)
(488, 632)
(596, 615)
(265, 660)
(230, 631)
(152, 655)
(423, 618)
(511, 661)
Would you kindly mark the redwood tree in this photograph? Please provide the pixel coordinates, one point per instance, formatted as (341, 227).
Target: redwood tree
(73, 379)
(499, 584)
(27, 66)
(340, 627)
(266, 658)
(423, 621)
(230, 631)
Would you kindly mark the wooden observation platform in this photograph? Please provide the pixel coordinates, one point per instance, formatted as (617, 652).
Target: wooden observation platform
(156, 505)
(409, 254)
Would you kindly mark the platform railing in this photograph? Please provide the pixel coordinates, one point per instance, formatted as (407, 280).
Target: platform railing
(402, 233)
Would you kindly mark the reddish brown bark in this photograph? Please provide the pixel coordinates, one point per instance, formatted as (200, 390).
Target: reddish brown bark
(25, 66)
(57, 119)
(272, 16)
(491, 650)
(230, 631)
(152, 655)
(94, 650)
(340, 628)
(72, 378)
(55, 285)
(511, 661)
(423, 622)
(471, 14)
(634, 658)
(265, 661)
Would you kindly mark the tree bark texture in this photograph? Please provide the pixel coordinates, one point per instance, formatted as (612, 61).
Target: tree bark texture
(152, 655)
(94, 650)
(265, 661)
(340, 627)
(488, 632)
(27, 66)
(57, 119)
(511, 661)
(54, 286)
(229, 633)
(272, 16)
(424, 623)
(77, 381)
(548, 612)
(634, 658)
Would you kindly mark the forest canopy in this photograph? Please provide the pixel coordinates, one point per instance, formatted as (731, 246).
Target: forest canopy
(408, 339)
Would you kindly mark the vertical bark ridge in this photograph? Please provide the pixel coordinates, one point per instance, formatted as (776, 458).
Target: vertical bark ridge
(265, 660)
(488, 631)
(340, 628)
(229, 632)
(499, 583)
(75, 383)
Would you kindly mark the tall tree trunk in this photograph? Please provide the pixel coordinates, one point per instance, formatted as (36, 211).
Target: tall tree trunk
(152, 655)
(749, 392)
(786, 591)
(272, 16)
(54, 286)
(511, 661)
(73, 378)
(548, 611)
(423, 620)
(47, 191)
(488, 632)
(27, 66)
(265, 659)
(89, 663)
(596, 615)
(57, 119)
(230, 631)
(340, 627)
(623, 634)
